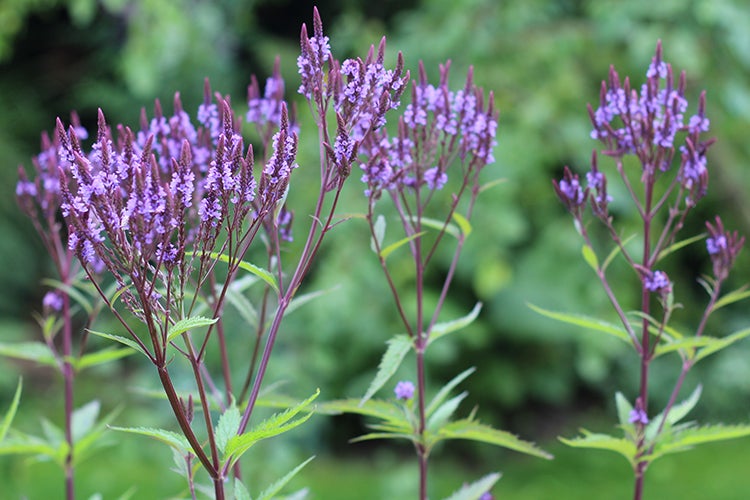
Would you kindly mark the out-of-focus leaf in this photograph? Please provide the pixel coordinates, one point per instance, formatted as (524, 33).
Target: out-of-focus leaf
(475, 431)
(172, 439)
(444, 391)
(384, 253)
(11, 413)
(32, 351)
(475, 490)
(585, 322)
(227, 427)
(398, 347)
(443, 329)
(274, 488)
(186, 324)
(623, 446)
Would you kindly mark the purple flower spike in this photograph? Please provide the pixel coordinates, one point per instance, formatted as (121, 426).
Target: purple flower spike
(404, 390)
(570, 192)
(723, 247)
(487, 496)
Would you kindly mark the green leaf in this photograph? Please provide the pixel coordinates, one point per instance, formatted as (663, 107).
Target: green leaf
(475, 490)
(616, 251)
(122, 340)
(585, 322)
(687, 438)
(722, 343)
(38, 352)
(100, 357)
(246, 266)
(623, 409)
(463, 223)
(444, 412)
(227, 427)
(446, 389)
(172, 439)
(731, 297)
(590, 257)
(378, 230)
(623, 446)
(273, 426)
(240, 302)
(676, 413)
(680, 244)
(24, 444)
(90, 440)
(491, 184)
(84, 418)
(186, 324)
(398, 346)
(274, 488)
(389, 411)
(475, 431)
(240, 490)
(686, 345)
(384, 253)
(443, 329)
(439, 225)
(300, 300)
(10, 415)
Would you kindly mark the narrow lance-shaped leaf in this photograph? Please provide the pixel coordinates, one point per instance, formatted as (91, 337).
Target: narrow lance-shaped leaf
(731, 297)
(172, 439)
(475, 490)
(32, 351)
(442, 394)
(10, 415)
(444, 412)
(240, 490)
(687, 438)
(274, 488)
(623, 409)
(442, 329)
(590, 257)
(439, 225)
(680, 244)
(722, 343)
(398, 346)
(585, 322)
(97, 358)
(463, 223)
(246, 266)
(121, 340)
(378, 230)
(384, 253)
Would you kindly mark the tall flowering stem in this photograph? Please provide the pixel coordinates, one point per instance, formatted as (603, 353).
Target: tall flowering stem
(442, 136)
(40, 199)
(650, 125)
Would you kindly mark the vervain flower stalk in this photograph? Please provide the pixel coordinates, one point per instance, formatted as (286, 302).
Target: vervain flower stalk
(159, 207)
(650, 125)
(443, 138)
(40, 200)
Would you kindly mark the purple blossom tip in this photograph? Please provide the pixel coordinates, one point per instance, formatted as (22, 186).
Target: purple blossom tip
(638, 416)
(657, 282)
(404, 390)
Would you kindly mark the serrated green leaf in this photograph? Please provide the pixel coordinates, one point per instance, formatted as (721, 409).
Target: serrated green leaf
(623, 446)
(122, 340)
(274, 488)
(590, 257)
(475, 431)
(88, 442)
(444, 328)
(623, 409)
(686, 345)
(687, 438)
(240, 490)
(384, 253)
(186, 324)
(378, 229)
(100, 357)
(463, 223)
(722, 343)
(475, 490)
(172, 439)
(11, 413)
(444, 412)
(24, 444)
(227, 427)
(32, 351)
(676, 413)
(442, 394)
(398, 347)
(585, 322)
(731, 297)
(389, 411)
(373, 436)
(273, 426)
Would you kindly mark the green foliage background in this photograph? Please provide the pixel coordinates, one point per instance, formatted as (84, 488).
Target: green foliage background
(543, 59)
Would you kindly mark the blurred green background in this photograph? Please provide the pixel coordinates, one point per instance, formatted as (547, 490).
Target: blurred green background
(544, 60)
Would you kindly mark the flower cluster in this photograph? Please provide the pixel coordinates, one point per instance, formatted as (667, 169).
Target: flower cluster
(645, 123)
(437, 126)
(723, 247)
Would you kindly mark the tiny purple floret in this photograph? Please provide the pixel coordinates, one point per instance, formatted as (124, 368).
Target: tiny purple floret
(404, 390)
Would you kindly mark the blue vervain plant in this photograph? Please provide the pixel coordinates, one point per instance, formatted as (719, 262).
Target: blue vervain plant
(429, 166)
(649, 125)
